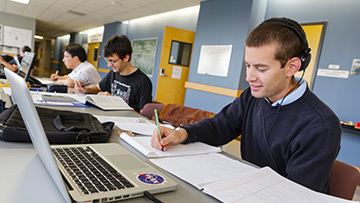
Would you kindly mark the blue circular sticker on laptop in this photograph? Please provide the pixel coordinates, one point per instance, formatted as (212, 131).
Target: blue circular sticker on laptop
(150, 178)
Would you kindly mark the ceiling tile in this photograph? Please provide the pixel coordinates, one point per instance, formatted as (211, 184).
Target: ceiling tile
(65, 18)
(14, 8)
(2, 6)
(33, 12)
(50, 15)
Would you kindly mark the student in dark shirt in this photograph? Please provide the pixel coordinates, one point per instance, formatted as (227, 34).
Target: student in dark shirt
(124, 79)
(12, 64)
(282, 124)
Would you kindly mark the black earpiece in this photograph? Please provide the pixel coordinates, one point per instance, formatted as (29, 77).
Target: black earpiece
(305, 55)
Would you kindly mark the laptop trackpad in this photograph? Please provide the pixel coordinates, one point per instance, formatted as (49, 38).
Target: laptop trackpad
(126, 162)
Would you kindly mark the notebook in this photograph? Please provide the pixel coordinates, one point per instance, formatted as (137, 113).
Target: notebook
(134, 176)
(143, 145)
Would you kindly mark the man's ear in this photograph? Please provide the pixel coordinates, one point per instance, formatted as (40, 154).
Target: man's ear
(126, 58)
(294, 66)
(76, 58)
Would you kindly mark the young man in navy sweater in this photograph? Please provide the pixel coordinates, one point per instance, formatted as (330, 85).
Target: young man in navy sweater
(282, 123)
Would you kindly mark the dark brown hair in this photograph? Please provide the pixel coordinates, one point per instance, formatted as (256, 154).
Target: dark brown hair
(76, 50)
(119, 45)
(288, 43)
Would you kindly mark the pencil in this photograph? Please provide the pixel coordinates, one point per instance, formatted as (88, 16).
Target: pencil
(158, 126)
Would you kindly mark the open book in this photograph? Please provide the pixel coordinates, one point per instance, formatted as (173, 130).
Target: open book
(106, 103)
(143, 145)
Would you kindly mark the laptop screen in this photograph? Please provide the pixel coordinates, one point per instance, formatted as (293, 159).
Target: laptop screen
(25, 66)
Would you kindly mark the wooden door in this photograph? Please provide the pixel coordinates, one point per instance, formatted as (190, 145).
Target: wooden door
(315, 35)
(93, 54)
(172, 77)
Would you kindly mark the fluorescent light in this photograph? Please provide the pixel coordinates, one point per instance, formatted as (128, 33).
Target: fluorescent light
(38, 37)
(167, 14)
(21, 1)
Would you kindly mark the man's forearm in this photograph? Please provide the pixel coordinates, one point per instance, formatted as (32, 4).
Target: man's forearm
(92, 89)
(9, 66)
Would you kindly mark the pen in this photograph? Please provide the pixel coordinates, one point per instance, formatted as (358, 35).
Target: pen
(158, 127)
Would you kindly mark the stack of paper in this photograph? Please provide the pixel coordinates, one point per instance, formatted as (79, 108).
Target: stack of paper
(225, 179)
(55, 99)
(265, 185)
(79, 100)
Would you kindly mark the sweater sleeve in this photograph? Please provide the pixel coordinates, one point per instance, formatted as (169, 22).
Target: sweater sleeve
(312, 159)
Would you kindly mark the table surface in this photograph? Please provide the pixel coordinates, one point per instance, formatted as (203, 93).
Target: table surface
(25, 179)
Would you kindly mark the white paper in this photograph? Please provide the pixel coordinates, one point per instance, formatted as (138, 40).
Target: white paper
(143, 144)
(333, 73)
(130, 124)
(199, 170)
(37, 95)
(265, 185)
(176, 72)
(334, 66)
(45, 80)
(214, 60)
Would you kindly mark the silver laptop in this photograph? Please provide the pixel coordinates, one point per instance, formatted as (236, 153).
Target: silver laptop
(25, 65)
(120, 176)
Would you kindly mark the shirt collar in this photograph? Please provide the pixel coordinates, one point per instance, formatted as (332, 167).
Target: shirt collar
(293, 96)
(78, 67)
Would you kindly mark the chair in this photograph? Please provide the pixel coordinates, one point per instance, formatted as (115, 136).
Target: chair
(343, 180)
(175, 114)
(148, 110)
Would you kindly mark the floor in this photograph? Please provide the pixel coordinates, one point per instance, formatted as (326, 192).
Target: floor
(357, 194)
(233, 148)
(41, 72)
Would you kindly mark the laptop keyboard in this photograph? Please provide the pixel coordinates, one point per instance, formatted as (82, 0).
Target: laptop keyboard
(89, 171)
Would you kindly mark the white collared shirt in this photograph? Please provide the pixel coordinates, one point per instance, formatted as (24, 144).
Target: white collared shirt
(293, 96)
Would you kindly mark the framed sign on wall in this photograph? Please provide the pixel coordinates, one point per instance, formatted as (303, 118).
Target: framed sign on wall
(143, 56)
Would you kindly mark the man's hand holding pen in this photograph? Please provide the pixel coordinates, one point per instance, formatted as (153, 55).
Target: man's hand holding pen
(169, 137)
(55, 77)
(79, 87)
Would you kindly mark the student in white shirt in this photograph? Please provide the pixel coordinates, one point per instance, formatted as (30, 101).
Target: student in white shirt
(75, 59)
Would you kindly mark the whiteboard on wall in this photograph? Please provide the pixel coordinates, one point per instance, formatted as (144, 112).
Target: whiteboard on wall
(215, 60)
(17, 37)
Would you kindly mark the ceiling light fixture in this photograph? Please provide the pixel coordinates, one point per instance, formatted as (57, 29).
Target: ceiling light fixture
(21, 1)
(38, 37)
